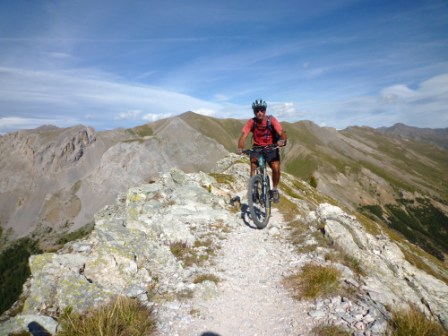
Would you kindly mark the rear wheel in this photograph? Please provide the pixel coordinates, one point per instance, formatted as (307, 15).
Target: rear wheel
(259, 202)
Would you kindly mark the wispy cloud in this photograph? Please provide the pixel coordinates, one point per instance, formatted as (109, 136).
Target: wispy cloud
(56, 96)
(10, 124)
(424, 106)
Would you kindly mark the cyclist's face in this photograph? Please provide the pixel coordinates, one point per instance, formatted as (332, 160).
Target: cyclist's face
(260, 113)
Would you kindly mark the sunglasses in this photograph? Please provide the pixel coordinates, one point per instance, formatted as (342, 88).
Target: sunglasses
(259, 109)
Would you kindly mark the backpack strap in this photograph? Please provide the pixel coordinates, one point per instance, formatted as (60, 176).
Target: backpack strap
(269, 125)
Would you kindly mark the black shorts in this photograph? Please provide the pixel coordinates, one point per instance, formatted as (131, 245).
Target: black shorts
(270, 155)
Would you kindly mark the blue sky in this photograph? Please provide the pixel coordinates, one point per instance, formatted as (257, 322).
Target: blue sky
(114, 63)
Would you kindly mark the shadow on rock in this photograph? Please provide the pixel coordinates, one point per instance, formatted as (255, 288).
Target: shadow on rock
(36, 329)
(246, 217)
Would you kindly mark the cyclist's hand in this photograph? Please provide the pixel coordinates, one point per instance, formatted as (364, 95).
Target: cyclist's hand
(281, 143)
(239, 151)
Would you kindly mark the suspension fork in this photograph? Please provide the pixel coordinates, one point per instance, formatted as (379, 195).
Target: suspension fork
(263, 173)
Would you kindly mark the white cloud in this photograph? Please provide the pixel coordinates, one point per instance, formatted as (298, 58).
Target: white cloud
(396, 93)
(287, 110)
(129, 115)
(154, 117)
(205, 111)
(10, 124)
(425, 106)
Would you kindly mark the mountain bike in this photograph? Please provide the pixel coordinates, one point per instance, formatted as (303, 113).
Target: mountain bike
(259, 188)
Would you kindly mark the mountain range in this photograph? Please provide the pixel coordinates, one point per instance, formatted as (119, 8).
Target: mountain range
(54, 179)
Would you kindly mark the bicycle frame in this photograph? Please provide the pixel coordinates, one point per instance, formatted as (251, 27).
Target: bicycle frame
(262, 170)
(260, 200)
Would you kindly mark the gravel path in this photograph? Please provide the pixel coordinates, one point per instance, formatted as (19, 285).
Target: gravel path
(251, 298)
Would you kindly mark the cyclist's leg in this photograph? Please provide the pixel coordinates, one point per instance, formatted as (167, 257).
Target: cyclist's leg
(253, 163)
(275, 166)
(274, 163)
(273, 158)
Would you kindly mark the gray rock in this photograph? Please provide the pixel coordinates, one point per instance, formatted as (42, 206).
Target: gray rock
(360, 326)
(318, 314)
(206, 290)
(136, 291)
(379, 327)
(28, 322)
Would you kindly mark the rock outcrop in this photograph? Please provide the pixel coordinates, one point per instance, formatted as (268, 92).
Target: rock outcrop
(390, 279)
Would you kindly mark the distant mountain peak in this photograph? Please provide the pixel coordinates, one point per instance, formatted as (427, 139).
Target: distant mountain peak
(47, 128)
(436, 136)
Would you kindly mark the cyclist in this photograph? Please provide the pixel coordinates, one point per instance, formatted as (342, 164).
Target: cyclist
(265, 130)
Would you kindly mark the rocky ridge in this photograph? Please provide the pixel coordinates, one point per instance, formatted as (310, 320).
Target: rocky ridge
(130, 252)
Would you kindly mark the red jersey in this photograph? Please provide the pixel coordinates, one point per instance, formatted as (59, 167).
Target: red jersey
(261, 134)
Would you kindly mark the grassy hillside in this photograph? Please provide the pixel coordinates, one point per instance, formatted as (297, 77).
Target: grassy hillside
(417, 164)
(224, 131)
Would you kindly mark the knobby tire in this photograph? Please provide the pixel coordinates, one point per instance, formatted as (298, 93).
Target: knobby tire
(260, 208)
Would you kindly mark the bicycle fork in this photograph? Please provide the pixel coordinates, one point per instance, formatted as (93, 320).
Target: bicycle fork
(262, 168)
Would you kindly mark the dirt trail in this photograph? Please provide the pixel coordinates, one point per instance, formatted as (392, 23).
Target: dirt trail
(251, 299)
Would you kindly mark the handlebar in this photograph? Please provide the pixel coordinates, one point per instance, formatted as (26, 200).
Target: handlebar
(259, 149)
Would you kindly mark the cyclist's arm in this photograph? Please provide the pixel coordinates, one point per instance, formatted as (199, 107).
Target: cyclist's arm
(278, 128)
(241, 142)
(283, 138)
(245, 132)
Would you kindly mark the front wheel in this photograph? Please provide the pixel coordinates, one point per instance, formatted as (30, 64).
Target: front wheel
(259, 200)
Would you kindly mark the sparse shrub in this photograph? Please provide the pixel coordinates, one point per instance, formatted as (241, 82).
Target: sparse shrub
(331, 256)
(414, 322)
(329, 330)
(373, 209)
(78, 234)
(124, 317)
(292, 192)
(297, 230)
(205, 277)
(179, 249)
(313, 181)
(188, 255)
(207, 243)
(288, 209)
(14, 270)
(314, 281)
(353, 263)
(223, 178)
